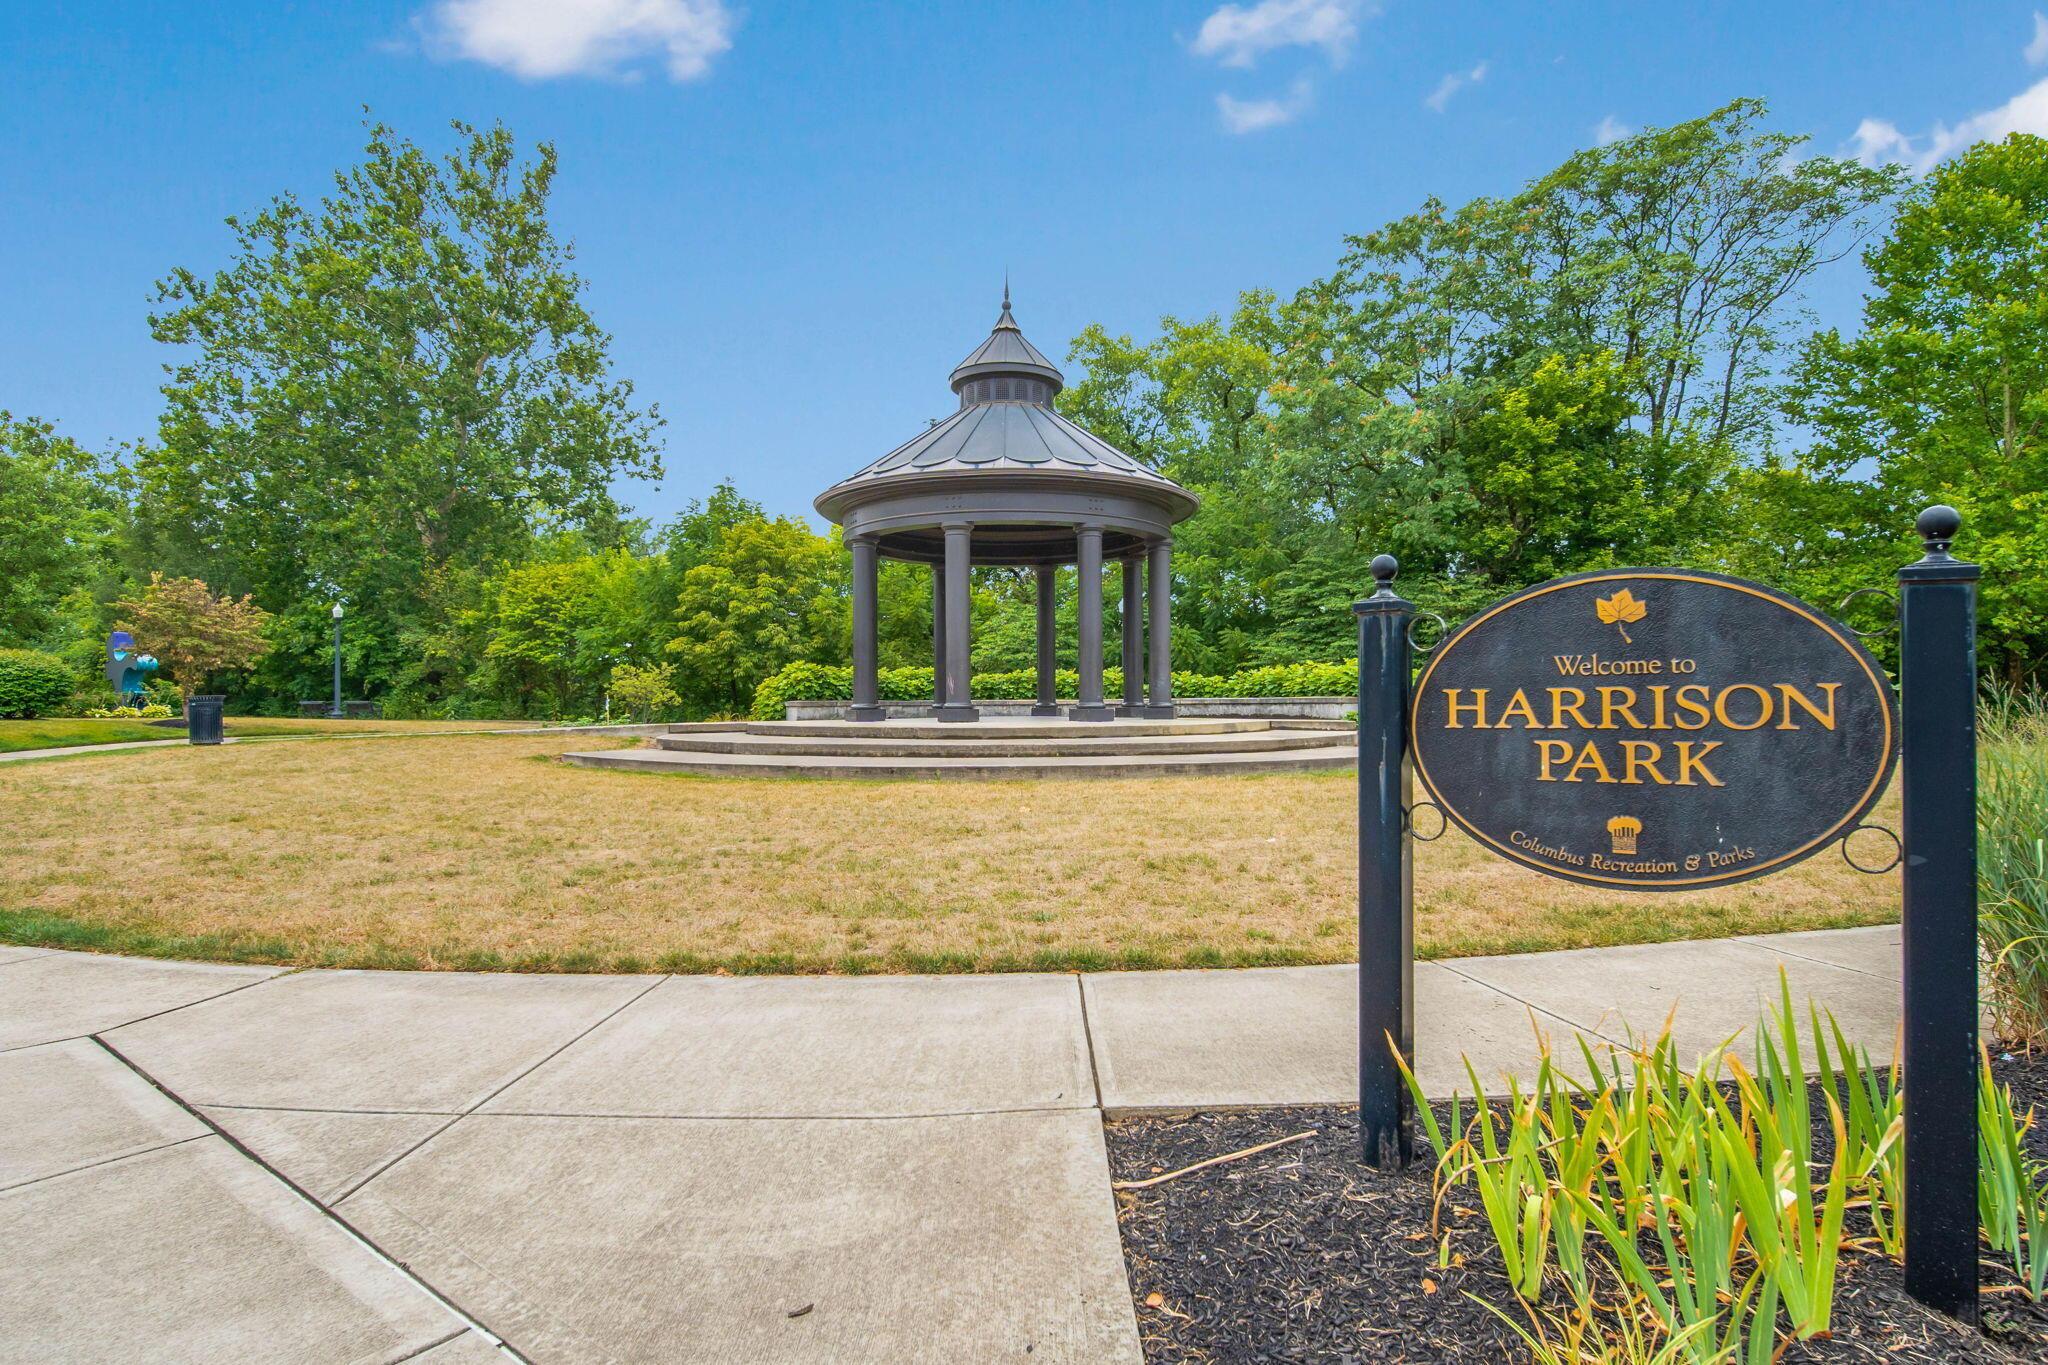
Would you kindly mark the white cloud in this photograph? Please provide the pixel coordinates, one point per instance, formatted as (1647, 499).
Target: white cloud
(1878, 141)
(1610, 130)
(540, 39)
(1236, 36)
(1452, 84)
(1255, 116)
(2037, 50)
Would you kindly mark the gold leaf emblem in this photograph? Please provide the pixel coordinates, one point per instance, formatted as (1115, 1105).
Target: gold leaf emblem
(1623, 829)
(1619, 610)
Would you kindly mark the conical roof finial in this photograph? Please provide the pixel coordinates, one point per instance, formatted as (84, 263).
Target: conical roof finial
(1006, 352)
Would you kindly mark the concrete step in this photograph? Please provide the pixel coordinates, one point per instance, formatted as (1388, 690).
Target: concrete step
(972, 745)
(1049, 728)
(1105, 765)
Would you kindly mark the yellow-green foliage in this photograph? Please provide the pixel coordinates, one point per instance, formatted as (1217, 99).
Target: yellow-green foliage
(1747, 1225)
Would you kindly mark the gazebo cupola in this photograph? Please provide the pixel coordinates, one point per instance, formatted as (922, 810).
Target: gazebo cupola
(1007, 480)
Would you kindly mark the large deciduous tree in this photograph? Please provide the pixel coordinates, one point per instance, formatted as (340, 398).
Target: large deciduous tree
(397, 382)
(1943, 396)
(55, 515)
(1567, 377)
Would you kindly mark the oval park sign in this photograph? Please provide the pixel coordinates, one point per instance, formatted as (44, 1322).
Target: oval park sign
(1655, 729)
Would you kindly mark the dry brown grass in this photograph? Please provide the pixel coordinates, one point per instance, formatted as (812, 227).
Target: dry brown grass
(297, 725)
(483, 852)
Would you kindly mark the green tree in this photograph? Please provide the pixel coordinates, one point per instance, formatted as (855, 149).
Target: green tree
(769, 593)
(1943, 396)
(193, 633)
(399, 381)
(540, 612)
(56, 512)
(1581, 373)
(644, 691)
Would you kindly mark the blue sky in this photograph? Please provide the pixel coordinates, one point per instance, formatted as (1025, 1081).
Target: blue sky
(795, 218)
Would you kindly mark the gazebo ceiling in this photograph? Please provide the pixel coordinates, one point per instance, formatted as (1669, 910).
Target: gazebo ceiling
(1008, 463)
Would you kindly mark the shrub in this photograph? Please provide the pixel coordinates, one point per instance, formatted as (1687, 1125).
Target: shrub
(152, 711)
(830, 682)
(33, 684)
(645, 690)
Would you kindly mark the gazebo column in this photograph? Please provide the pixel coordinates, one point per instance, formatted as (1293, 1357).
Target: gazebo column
(867, 702)
(1048, 641)
(1161, 627)
(938, 635)
(959, 702)
(1134, 638)
(1088, 695)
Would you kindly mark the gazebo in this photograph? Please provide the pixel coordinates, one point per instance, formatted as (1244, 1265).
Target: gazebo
(1006, 480)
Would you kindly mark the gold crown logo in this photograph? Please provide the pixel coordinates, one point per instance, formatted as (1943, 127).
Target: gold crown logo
(1623, 829)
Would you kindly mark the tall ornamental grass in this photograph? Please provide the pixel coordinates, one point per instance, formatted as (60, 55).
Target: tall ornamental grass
(1684, 1216)
(2012, 862)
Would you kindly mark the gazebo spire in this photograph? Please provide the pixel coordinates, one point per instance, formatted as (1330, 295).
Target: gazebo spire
(1006, 355)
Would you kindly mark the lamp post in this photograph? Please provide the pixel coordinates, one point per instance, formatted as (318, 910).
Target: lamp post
(335, 714)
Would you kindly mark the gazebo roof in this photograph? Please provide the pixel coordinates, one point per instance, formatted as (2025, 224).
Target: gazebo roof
(1007, 352)
(1006, 425)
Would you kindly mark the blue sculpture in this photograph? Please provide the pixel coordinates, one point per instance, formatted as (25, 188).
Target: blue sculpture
(126, 670)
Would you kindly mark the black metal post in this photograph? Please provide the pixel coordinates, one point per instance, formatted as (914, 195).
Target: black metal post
(1938, 768)
(1386, 873)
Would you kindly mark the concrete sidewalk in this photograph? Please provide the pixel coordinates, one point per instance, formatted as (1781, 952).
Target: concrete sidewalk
(208, 1162)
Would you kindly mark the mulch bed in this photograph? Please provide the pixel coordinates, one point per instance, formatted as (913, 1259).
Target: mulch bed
(1302, 1253)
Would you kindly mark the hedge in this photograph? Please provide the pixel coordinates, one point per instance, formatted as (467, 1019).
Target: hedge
(33, 684)
(831, 682)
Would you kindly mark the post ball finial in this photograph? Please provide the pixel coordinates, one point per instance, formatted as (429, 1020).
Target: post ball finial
(1384, 567)
(1937, 527)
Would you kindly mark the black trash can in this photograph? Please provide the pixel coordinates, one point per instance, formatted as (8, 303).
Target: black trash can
(202, 719)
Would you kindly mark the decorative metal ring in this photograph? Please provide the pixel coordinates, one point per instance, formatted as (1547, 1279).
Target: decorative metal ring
(1898, 850)
(1842, 611)
(1443, 628)
(1441, 822)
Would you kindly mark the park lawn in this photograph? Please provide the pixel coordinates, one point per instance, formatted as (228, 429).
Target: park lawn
(65, 733)
(18, 735)
(266, 726)
(485, 853)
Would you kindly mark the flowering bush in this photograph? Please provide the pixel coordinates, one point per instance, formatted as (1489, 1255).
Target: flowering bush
(153, 711)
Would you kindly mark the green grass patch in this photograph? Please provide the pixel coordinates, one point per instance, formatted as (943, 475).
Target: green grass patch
(18, 735)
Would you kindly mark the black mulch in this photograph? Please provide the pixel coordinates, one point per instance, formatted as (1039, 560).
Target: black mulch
(1304, 1254)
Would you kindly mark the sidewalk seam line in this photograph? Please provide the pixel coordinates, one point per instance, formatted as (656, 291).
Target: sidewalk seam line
(431, 1346)
(103, 1161)
(94, 1034)
(330, 1109)
(634, 999)
(470, 1320)
(1533, 1007)
(1088, 1038)
(1803, 957)
(777, 1118)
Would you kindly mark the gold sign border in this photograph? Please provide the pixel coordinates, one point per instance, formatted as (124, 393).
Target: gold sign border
(1879, 683)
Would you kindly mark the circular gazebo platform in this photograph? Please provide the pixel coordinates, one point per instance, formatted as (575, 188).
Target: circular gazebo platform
(1020, 747)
